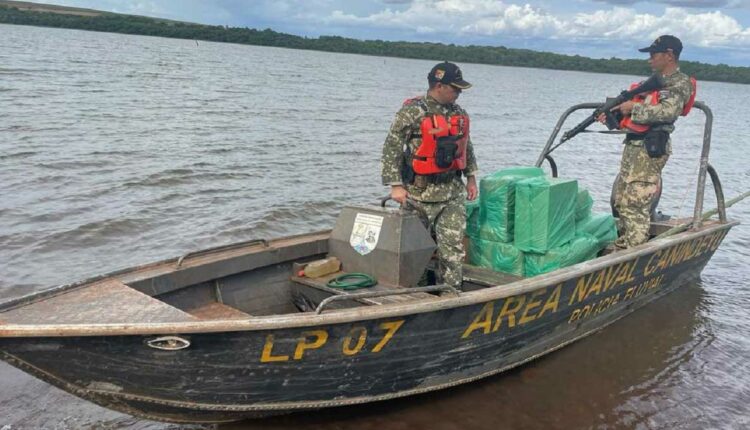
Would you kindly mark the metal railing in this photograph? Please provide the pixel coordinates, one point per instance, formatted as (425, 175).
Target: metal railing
(705, 166)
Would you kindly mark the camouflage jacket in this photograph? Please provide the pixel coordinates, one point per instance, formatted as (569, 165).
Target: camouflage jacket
(404, 134)
(672, 99)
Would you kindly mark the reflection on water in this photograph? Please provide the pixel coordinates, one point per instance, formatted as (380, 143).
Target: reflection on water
(118, 150)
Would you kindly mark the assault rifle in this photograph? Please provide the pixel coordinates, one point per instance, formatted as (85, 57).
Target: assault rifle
(655, 82)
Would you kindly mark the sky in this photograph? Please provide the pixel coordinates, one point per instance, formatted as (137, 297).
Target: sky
(712, 31)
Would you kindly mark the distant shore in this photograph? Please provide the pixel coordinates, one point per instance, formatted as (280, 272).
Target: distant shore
(36, 14)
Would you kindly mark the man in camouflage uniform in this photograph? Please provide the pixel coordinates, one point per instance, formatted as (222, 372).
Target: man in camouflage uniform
(643, 159)
(439, 198)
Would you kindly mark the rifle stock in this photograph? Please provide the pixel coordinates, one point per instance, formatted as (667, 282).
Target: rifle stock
(655, 82)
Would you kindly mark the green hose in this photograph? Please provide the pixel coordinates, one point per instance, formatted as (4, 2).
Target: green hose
(352, 281)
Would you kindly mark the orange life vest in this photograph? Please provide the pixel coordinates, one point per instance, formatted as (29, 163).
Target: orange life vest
(443, 147)
(628, 125)
(444, 142)
(691, 102)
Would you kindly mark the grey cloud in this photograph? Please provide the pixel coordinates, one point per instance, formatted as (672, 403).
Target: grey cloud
(396, 1)
(681, 3)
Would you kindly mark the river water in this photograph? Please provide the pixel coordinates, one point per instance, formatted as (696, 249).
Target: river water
(119, 150)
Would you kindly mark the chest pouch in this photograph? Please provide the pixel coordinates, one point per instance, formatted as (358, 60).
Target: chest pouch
(446, 151)
(655, 142)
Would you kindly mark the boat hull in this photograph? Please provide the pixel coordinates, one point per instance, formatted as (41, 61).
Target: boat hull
(237, 374)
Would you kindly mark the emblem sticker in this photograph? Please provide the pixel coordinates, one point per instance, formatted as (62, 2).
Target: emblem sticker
(365, 232)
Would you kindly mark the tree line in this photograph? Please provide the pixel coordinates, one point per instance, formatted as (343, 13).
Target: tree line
(497, 55)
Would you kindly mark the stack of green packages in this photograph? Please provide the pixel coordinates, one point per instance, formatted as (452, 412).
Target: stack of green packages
(489, 223)
(472, 218)
(591, 233)
(527, 224)
(498, 256)
(498, 194)
(545, 213)
(584, 203)
(599, 226)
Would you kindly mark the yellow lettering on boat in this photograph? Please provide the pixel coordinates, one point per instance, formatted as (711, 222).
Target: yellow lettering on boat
(361, 334)
(623, 274)
(391, 327)
(321, 336)
(581, 287)
(706, 242)
(509, 312)
(716, 241)
(609, 280)
(532, 303)
(648, 270)
(552, 301)
(664, 258)
(267, 355)
(483, 320)
(597, 285)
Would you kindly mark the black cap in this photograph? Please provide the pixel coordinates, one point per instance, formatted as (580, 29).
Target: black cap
(665, 43)
(449, 74)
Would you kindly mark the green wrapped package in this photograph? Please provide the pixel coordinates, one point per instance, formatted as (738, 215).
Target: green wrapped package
(498, 256)
(545, 213)
(601, 226)
(497, 194)
(472, 218)
(584, 202)
(581, 248)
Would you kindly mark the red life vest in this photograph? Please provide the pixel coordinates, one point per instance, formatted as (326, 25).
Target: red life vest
(444, 142)
(436, 155)
(691, 102)
(628, 125)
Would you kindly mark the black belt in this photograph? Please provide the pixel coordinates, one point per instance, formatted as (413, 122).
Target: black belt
(634, 136)
(438, 178)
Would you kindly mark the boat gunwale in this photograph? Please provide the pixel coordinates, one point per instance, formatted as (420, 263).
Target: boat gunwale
(297, 320)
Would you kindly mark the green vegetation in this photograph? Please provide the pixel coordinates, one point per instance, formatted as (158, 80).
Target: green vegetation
(129, 24)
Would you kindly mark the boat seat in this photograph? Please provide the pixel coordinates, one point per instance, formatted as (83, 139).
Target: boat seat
(108, 301)
(218, 311)
(320, 284)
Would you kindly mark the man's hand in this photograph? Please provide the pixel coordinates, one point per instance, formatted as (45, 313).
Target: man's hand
(399, 194)
(626, 107)
(471, 187)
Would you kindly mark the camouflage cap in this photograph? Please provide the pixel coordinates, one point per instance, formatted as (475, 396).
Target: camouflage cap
(449, 74)
(665, 43)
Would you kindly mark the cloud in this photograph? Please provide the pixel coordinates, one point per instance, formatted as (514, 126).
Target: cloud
(696, 4)
(702, 29)
(681, 3)
(490, 19)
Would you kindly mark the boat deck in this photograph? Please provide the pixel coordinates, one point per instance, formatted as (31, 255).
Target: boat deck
(108, 301)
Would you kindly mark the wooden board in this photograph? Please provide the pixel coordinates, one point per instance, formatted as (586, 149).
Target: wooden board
(104, 302)
(218, 311)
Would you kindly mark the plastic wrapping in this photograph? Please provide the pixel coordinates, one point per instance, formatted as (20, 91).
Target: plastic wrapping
(473, 210)
(544, 213)
(497, 195)
(581, 248)
(498, 256)
(601, 226)
(584, 202)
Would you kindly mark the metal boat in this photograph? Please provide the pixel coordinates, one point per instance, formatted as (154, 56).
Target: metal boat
(235, 332)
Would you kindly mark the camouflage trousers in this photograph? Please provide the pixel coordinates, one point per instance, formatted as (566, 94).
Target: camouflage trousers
(447, 221)
(635, 189)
